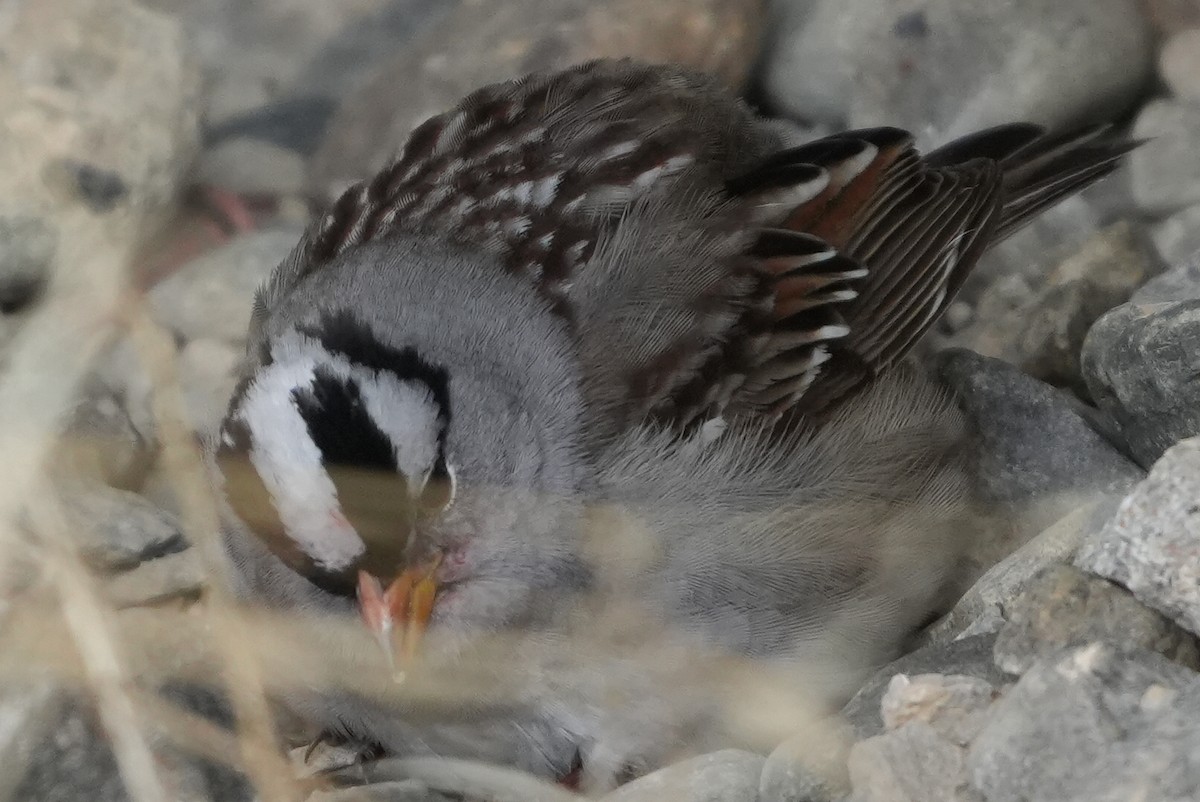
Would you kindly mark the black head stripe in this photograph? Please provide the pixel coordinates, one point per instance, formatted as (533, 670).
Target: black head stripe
(340, 425)
(361, 463)
(341, 333)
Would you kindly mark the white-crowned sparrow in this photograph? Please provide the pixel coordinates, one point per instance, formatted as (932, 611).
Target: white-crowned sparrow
(598, 334)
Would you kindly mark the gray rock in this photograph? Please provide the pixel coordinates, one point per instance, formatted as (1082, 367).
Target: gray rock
(116, 530)
(952, 705)
(401, 791)
(253, 52)
(1042, 332)
(173, 577)
(946, 67)
(27, 246)
(808, 767)
(28, 713)
(1179, 64)
(347, 58)
(1165, 172)
(207, 376)
(1177, 239)
(252, 167)
(1152, 545)
(1177, 284)
(1034, 251)
(1065, 607)
(790, 782)
(111, 434)
(982, 608)
(516, 37)
(71, 97)
(75, 762)
(1034, 442)
(1093, 724)
(75, 73)
(459, 780)
(910, 764)
(211, 297)
(971, 657)
(1140, 362)
(730, 775)
(987, 622)
(1170, 16)
(1036, 458)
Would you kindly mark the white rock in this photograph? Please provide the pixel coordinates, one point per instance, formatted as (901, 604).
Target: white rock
(1177, 239)
(212, 297)
(946, 67)
(1165, 172)
(1179, 64)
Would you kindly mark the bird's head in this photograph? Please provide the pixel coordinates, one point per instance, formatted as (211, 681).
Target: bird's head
(389, 481)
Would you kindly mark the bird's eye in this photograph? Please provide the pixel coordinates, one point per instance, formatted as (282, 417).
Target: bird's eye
(437, 491)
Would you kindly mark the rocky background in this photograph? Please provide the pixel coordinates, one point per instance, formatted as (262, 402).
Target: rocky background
(169, 151)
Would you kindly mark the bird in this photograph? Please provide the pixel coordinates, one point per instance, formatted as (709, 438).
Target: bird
(602, 338)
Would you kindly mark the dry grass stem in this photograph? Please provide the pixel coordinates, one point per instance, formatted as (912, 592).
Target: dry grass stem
(88, 622)
(50, 356)
(187, 730)
(184, 466)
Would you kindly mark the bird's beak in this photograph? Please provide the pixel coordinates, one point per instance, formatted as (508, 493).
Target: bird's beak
(399, 615)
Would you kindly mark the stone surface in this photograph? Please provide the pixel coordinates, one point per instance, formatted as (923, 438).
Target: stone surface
(28, 713)
(1035, 457)
(1165, 173)
(1179, 64)
(1092, 725)
(75, 762)
(76, 72)
(1065, 607)
(1171, 16)
(1034, 442)
(173, 577)
(402, 791)
(512, 38)
(987, 622)
(256, 52)
(252, 167)
(910, 764)
(1033, 252)
(1177, 284)
(1042, 333)
(1152, 545)
(971, 657)
(730, 775)
(25, 260)
(116, 530)
(982, 608)
(1140, 361)
(207, 377)
(953, 706)
(809, 767)
(1177, 238)
(946, 67)
(77, 181)
(212, 297)
(111, 434)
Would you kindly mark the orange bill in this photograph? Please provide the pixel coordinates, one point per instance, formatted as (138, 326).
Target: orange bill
(399, 615)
